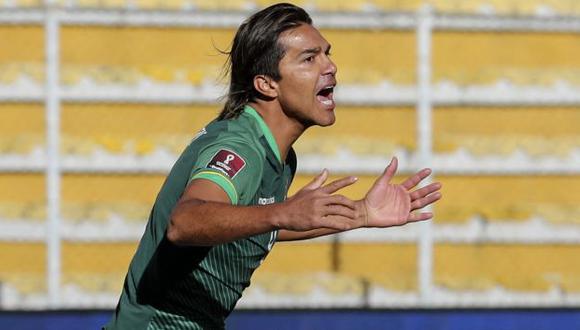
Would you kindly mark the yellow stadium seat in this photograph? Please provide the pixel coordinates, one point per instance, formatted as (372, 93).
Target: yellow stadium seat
(267, 3)
(458, 6)
(284, 284)
(363, 130)
(561, 7)
(112, 144)
(124, 127)
(507, 197)
(147, 4)
(99, 212)
(131, 211)
(397, 5)
(70, 75)
(114, 3)
(365, 65)
(173, 143)
(144, 146)
(77, 146)
(511, 266)
(98, 196)
(35, 211)
(340, 284)
(26, 45)
(392, 266)
(343, 6)
(35, 71)
(222, 5)
(96, 266)
(131, 54)
(9, 73)
(294, 267)
(159, 73)
(22, 127)
(463, 57)
(26, 277)
(281, 274)
(527, 8)
(570, 283)
(298, 258)
(14, 210)
(22, 195)
(88, 3)
(29, 3)
(110, 282)
(172, 4)
(300, 284)
(565, 213)
(542, 131)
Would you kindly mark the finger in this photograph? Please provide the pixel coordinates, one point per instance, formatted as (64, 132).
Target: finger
(415, 179)
(339, 210)
(318, 181)
(390, 171)
(336, 185)
(422, 202)
(340, 200)
(420, 193)
(413, 217)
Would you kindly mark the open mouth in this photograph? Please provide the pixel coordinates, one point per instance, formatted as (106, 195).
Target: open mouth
(325, 95)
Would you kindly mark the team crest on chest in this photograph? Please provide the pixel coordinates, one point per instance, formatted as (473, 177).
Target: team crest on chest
(227, 162)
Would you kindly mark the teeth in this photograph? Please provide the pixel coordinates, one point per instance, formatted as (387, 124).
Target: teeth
(327, 88)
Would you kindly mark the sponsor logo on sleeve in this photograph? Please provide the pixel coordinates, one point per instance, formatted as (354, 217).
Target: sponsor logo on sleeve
(227, 162)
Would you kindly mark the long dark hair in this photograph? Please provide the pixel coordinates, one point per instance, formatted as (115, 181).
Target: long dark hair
(255, 50)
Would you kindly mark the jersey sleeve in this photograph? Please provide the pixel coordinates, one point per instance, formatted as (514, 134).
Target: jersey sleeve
(232, 165)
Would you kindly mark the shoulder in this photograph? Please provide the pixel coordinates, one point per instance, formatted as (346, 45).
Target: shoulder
(227, 146)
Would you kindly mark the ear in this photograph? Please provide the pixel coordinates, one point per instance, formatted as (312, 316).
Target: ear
(266, 86)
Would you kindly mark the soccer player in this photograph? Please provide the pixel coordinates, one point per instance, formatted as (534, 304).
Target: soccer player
(223, 205)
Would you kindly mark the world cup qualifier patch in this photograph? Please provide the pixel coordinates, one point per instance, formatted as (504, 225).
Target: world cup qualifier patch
(228, 162)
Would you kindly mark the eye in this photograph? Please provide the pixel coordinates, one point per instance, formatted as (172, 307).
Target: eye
(309, 59)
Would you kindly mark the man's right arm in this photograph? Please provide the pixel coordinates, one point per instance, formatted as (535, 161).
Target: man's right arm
(205, 216)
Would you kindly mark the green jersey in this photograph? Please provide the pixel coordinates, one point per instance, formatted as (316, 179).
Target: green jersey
(173, 287)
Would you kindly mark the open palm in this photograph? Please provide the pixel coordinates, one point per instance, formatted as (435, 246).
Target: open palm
(389, 204)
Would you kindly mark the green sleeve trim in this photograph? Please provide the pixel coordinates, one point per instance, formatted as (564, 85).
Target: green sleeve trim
(222, 181)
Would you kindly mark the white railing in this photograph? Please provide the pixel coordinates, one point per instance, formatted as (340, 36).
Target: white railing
(53, 168)
(425, 95)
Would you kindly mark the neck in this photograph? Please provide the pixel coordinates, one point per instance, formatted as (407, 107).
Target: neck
(284, 129)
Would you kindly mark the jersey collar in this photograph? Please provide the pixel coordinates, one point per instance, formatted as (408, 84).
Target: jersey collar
(265, 129)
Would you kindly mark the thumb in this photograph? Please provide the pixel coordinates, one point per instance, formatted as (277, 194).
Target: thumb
(318, 181)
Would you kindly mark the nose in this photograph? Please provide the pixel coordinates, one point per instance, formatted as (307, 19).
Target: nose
(330, 67)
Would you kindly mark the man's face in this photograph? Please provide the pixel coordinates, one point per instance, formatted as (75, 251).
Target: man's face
(306, 89)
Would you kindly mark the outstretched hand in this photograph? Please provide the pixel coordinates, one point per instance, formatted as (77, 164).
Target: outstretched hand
(317, 206)
(389, 204)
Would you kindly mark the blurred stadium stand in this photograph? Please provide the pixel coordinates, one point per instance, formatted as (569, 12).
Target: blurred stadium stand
(506, 145)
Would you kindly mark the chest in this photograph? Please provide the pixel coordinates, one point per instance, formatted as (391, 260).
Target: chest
(273, 187)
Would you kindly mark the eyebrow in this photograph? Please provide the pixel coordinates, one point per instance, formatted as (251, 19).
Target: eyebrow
(314, 50)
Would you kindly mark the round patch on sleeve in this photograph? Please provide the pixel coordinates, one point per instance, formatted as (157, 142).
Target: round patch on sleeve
(227, 162)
